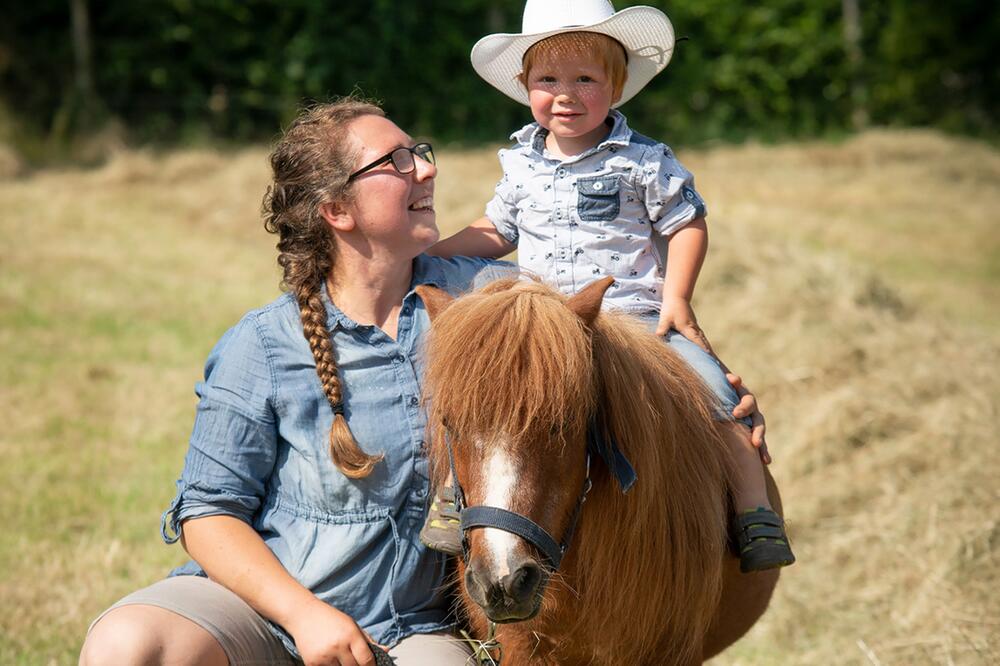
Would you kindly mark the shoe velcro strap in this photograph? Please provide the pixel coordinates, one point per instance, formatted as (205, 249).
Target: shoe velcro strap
(760, 531)
(760, 517)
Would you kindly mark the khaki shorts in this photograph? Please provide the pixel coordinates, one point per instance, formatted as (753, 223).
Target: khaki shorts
(245, 636)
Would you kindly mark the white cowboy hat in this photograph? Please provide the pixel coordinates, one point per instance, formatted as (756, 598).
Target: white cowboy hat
(645, 32)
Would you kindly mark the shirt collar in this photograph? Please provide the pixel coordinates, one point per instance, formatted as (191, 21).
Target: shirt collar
(533, 135)
(425, 271)
(334, 317)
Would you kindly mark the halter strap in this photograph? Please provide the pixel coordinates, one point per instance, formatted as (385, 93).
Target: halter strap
(492, 516)
(524, 527)
(515, 523)
(459, 495)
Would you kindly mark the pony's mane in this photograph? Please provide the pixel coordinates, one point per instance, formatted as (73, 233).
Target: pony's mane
(511, 358)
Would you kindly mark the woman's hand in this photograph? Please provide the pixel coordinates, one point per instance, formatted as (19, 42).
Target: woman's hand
(748, 407)
(235, 555)
(327, 637)
(676, 314)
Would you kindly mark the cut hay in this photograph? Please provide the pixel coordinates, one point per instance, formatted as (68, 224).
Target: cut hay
(853, 286)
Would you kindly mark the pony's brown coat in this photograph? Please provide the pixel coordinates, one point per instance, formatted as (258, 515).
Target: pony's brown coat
(642, 579)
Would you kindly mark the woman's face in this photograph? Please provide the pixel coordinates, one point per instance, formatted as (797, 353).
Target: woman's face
(392, 210)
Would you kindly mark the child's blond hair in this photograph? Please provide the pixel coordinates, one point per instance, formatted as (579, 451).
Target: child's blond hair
(606, 50)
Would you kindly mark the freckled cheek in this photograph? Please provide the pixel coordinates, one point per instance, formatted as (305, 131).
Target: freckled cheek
(540, 100)
(593, 97)
(541, 108)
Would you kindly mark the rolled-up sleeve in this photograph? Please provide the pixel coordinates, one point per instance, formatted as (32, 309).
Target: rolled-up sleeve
(501, 210)
(234, 442)
(668, 188)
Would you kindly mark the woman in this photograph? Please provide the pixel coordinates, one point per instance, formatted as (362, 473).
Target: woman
(305, 483)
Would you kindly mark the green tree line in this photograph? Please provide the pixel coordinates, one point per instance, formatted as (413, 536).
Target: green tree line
(238, 69)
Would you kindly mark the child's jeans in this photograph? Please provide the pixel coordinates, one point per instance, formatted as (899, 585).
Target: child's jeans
(706, 366)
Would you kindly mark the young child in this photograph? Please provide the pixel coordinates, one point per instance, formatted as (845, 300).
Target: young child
(583, 196)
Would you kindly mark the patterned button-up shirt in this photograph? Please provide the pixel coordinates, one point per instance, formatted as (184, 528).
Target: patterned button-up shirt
(607, 211)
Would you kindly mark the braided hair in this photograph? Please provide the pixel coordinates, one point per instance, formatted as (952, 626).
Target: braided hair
(311, 164)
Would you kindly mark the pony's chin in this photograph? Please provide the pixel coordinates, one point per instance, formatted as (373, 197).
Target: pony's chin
(509, 615)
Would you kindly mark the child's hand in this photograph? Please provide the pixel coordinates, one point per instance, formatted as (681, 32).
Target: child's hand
(748, 407)
(677, 314)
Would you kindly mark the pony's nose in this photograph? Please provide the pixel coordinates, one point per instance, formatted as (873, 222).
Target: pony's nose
(509, 598)
(520, 585)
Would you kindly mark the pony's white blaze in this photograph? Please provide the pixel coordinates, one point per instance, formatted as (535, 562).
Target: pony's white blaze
(501, 482)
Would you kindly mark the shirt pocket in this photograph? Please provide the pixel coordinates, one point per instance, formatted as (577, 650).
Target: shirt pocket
(598, 198)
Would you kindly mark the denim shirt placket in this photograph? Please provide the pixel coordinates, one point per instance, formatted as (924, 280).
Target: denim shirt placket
(400, 353)
(406, 373)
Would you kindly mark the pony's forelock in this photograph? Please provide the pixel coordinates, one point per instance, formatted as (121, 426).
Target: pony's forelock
(523, 356)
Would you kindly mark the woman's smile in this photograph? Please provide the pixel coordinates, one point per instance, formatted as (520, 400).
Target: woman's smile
(423, 205)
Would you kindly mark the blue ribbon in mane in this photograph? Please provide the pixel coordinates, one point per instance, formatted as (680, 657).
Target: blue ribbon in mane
(601, 442)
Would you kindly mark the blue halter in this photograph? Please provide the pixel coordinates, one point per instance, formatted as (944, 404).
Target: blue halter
(599, 443)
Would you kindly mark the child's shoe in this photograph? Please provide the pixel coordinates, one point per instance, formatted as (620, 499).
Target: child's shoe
(761, 541)
(442, 531)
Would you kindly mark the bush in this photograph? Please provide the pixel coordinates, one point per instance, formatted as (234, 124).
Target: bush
(239, 69)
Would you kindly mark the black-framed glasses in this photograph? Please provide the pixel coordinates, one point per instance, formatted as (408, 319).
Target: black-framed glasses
(401, 158)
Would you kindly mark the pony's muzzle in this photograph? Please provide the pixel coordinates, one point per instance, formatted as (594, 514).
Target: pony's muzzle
(511, 597)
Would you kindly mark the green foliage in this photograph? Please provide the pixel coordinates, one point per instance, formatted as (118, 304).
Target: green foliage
(938, 64)
(768, 70)
(239, 69)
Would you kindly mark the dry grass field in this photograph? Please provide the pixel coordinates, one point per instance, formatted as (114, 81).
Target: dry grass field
(849, 283)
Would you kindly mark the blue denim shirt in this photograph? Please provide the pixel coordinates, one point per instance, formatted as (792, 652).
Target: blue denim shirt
(260, 452)
(607, 211)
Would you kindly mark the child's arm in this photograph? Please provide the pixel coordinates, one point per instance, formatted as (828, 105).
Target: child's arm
(685, 254)
(479, 239)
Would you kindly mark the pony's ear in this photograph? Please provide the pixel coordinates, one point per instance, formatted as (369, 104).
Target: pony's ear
(435, 300)
(587, 303)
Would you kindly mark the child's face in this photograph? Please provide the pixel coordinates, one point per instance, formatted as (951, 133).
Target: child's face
(570, 96)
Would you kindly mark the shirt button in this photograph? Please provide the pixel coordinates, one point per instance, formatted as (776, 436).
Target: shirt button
(561, 172)
(598, 186)
(414, 401)
(397, 358)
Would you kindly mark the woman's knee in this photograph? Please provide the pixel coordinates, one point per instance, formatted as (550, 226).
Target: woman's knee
(140, 634)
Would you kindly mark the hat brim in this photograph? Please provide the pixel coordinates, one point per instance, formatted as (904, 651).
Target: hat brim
(645, 32)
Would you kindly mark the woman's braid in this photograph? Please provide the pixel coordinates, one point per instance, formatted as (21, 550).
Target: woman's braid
(311, 165)
(313, 315)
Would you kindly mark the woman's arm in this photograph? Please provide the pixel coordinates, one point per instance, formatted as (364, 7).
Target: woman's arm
(233, 554)
(479, 239)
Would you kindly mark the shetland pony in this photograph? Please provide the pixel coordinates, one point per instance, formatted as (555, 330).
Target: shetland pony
(515, 375)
